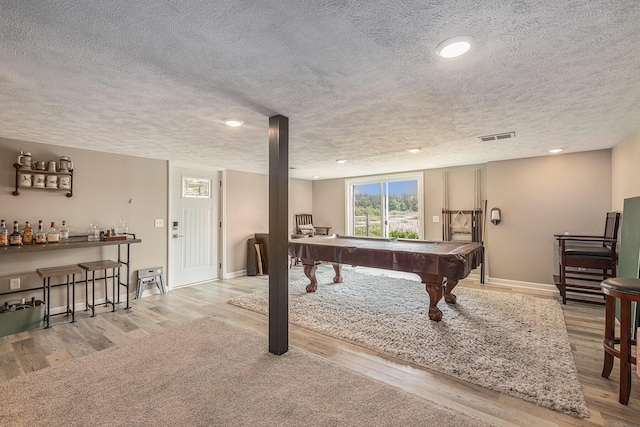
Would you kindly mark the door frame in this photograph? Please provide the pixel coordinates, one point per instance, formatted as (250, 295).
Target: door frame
(408, 176)
(221, 215)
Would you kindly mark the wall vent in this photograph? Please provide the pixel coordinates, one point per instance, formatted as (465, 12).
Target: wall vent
(497, 136)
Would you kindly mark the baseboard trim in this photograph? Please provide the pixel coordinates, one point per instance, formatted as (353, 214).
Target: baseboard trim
(234, 274)
(520, 284)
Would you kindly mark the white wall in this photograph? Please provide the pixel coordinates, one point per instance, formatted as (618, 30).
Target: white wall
(106, 188)
(329, 204)
(625, 170)
(540, 197)
(247, 212)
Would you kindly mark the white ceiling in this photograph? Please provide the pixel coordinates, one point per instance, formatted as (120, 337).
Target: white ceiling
(358, 80)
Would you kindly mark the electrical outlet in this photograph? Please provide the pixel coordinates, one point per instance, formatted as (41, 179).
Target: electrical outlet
(14, 283)
(436, 218)
(159, 222)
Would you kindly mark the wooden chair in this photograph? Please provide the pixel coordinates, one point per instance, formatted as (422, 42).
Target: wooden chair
(626, 291)
(305, 226)
(586, 259)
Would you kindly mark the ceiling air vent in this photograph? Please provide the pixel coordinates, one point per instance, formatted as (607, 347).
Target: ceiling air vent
(497, 136)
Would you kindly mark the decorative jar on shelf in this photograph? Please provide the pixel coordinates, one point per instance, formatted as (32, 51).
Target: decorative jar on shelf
(66, 164)
(24, 160)
(64, 182)
(26, 180)
(39, 180)
(52, 181)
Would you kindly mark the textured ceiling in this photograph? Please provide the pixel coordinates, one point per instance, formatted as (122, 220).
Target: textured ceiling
(358, 80)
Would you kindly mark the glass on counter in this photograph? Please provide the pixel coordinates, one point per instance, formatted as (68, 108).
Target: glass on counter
(94, 232)
(122, 229)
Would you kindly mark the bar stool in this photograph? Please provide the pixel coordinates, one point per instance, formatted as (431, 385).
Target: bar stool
(46, 274)
(97, 266)
(626, 290)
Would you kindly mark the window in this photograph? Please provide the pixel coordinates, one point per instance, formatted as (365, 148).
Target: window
(196, 187)
(385, 206)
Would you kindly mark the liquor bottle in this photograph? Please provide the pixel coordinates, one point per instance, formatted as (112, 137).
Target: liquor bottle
(4, 234)
(27, 234)
(64, 231)
(53, 235)
(15, 239)
(41, 236)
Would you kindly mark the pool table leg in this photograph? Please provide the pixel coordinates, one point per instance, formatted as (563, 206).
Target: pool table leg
(448, 296)
(433, 285)
(338, 269)
(310, 272)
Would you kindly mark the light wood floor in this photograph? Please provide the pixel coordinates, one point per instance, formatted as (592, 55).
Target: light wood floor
(29, 351)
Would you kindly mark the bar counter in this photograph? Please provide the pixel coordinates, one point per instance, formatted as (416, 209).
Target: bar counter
(76, 242)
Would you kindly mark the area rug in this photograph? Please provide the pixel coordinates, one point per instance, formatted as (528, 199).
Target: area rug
(210, 373)
(514, 344)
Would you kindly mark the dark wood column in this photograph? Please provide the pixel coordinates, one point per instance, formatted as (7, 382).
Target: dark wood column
(278, 234)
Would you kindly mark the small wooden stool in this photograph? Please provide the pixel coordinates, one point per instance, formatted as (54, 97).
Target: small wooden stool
(626, 290)
(46, 274)
(97, 266)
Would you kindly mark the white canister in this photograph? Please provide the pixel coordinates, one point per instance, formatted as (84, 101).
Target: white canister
(26, 180)
(64, 182)
(38, 180)
(52, 181)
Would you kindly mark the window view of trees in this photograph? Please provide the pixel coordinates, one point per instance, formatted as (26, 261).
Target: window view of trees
(402, 215)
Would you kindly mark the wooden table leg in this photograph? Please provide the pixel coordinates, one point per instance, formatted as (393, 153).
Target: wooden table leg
(310, 272)
(625, 351)
(433, 285)
(609, 334)
(338, 269)
(448, 296)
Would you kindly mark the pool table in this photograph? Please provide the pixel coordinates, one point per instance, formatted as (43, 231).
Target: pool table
(433, 261)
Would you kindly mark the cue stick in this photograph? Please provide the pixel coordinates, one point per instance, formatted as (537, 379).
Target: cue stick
(260, 271)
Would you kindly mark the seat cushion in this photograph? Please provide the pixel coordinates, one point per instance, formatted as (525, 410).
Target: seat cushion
(623, 285)
(594, 251)
(306, 228)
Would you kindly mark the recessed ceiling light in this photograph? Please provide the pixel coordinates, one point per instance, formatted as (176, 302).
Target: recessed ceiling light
(315, 176)
(414, 150)
(233, 123)
(341, 161)
(455, 46)
(555, 150)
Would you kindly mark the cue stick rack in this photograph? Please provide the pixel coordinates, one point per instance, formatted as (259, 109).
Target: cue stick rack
(463, 224)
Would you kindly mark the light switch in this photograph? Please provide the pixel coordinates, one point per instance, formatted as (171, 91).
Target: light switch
(159, 223)
(436, 218)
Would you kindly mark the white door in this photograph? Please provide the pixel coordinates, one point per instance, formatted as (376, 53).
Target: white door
(194, 227)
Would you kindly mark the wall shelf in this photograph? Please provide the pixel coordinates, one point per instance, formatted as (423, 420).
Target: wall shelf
(24, 183)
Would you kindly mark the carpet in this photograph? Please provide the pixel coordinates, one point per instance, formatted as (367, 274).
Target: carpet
(515, 344)
(210, 373)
